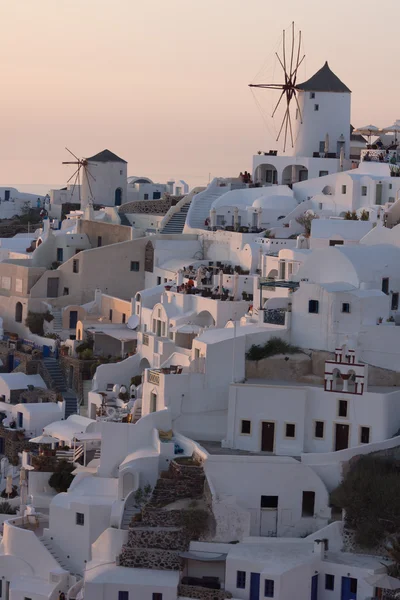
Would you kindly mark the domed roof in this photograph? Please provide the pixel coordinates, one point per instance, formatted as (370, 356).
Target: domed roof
(324, 80)
(276, 202)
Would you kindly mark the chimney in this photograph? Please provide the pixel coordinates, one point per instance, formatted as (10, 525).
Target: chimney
(97, 298)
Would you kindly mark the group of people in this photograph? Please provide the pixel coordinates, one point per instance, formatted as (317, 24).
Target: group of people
(245, 177)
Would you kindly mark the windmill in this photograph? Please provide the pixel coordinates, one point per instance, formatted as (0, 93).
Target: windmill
(288, 87)
(81, 163)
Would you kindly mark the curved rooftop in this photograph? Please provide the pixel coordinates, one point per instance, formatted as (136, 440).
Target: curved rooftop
(324, 80)
(106, 156)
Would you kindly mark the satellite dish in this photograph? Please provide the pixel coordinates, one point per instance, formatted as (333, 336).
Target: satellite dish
(133, 322)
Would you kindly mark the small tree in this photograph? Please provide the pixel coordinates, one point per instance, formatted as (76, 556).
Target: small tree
(350, 216)
(62, 476)
(142, 496)
(364, 215)
(305, 220)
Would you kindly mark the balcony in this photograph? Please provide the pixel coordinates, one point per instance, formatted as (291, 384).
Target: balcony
(153, 377)
(154, 374)
(380, 155)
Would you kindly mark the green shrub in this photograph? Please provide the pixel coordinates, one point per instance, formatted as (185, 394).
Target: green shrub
(62, 477)
(273, 347)
(7, 509)
(136, 380)
(370, 493)
(34, 321)
(86, 354)
(88, 345)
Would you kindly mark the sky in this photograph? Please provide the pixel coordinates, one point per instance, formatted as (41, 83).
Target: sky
(164, 83)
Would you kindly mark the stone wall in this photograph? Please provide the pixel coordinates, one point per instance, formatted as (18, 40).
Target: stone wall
(153, 207)
(152, 558)
(14, 443)
(167, 538)
(202, 593)
(183, 481)
(290, 367)
(155, 517)
(81, 371)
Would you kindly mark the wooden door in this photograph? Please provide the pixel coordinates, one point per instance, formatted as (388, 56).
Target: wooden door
(267, 436)
(52, 287)
(341, 436)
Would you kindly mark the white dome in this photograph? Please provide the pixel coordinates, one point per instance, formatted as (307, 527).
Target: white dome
(278, 202)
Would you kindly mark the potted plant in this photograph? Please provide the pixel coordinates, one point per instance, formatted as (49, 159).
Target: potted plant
(380, 319)
(245, 296)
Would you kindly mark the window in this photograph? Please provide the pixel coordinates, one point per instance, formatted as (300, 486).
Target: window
(60, 254)
(158, 280)
(269, 588)
(345, 307)
(395, 301)
(342, 410)
(316, 107)
(364, 435)
(123, 317)
(157, 596)
(165, 279)
(353, 585)
(241, 580)
(123, 595)
(121, 172)
(323, 173)
(344, 189)
(99, 241)
(290, 430)
(18, 285)
(364, 190)
(390, 186)
(320, 205)
(312, 95)
(307, 506)
(245, 427)
(110, 314)
(65, 291)
(385, 285)
(336, 242)
(80, 519)
(319, 429)
(75, 266)
(322, 147)
(313, 307)
(329, 582)
(135, 265)
(269, 501)
(156, 195)
(146, 197)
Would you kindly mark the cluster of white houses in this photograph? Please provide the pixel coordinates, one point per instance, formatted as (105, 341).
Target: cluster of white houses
(308, 254)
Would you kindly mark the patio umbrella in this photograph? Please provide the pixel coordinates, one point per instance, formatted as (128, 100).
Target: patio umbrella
(23, 493)
(369, 130)
(22, 476)
(220, 281)
(44, 439)
(326, 146)
(395, 128)
(383, 581)
(235, 285)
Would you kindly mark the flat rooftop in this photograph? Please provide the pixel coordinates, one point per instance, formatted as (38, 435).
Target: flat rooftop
(215, 448)
(374, 389)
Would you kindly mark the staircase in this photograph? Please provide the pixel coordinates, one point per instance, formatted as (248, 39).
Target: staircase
(57, 321)
(201, 204)
(129, 512)
(58, 383)
(137, 413)
(64, 564)
(177, 221)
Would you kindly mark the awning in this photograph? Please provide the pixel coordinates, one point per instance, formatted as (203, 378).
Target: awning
(123, 334)
(88, 437)
(203, 556)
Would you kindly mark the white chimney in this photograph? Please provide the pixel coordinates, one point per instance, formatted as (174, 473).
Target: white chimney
(97, 298)
(319, 548)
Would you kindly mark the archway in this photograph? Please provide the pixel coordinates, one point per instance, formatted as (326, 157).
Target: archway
(144, 364)
(266, 174)
(18, 312)
(337, 381)
(128, 482)
(153, 402)
(293, 174)
(118, 197)
(204, 319)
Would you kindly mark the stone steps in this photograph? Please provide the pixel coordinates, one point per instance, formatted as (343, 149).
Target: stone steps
(152, 558)
(159, 538)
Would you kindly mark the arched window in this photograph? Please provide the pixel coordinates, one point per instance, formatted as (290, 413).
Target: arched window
(118, 197)
(18, 312)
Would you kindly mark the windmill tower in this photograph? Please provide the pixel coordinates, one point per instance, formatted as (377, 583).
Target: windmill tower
(323, 117)
(316, 113)
(82, 170)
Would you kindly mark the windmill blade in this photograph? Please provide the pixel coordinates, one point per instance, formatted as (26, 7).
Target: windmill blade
(291, 57)
(278, 103)
(284, 52)
(297, 68)
(298, 54)
(272, 86)
(88, 182)
(73, 187)
(298, 107)
(283, 122)
(72, 154)
(290, 128)
(286, 128)
(73, 175)
(87, 171)
(79, 184)
(74, 162)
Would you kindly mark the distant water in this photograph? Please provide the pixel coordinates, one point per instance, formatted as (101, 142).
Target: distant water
(34, 188)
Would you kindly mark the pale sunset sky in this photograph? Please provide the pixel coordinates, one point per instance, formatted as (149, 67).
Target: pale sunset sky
(164, 83)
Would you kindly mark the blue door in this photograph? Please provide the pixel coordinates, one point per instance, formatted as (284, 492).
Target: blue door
(46, 351)
(314, 588)
(20, 420)
(10, 362)
(73, 319)
(255, 586)
(349, 588)
(60, 254)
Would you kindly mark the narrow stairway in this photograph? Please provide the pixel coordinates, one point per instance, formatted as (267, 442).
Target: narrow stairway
(177, 221)
(201, 204)
(57, 321)
(63, 562)
(129, 513)
(58, 383)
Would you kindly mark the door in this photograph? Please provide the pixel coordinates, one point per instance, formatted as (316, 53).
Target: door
(267, 436)
(378, 196)
(255, 586)
(52, 287)
(342, 436)
(20, 420)
(269, 516)
(349, 588)
(6, 195)
(303, 175)
(1, 450)
(314, 587)
(73, 319)
(60, 254)
(118, 197)
(46, 351)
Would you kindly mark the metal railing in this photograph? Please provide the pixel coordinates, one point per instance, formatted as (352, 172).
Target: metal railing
(153, 377)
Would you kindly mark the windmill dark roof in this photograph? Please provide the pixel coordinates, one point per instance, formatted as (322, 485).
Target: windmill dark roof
(324, 80)
(106, 156)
